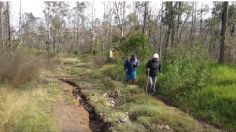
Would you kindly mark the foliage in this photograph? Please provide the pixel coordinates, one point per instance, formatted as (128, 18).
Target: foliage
(138, 44)
(203, 88)
(216, 102)
(184, 72)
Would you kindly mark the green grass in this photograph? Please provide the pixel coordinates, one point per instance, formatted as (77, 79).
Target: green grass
(150, 112)
(216, 103)
(224, 74)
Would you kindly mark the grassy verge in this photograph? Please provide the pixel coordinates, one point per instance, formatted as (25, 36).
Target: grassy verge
(28, 108)
(216, 103)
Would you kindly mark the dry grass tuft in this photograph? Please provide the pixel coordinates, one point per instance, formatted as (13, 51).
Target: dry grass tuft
(100, 60)
(18, 68)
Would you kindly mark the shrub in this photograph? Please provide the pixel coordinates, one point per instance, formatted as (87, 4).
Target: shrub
(184, 72)
(17, 68)
(100, 60)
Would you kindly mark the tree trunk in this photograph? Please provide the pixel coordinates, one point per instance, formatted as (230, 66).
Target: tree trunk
(173, 23)
(223, 32)
(110, 29)
(160, 44)
(145, 16)
(8, 42)
(92, 30)
(123, 21)
(167, 38)
(201, 20)
(169, 7)
(192, 33)
(120, 11)
(1, 33)
(149, 25)
(49, 41)
(77, 36)
(20, 23)
(172, 32)
(179, 21)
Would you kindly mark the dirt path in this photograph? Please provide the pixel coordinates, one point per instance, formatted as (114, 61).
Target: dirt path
(74, 112)
(72, 118)
(71, 115)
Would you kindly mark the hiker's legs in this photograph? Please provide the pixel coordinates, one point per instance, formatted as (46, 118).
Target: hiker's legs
(150, 84)
(154, 80)
(129, 76)
(133, 77)
(126, 77)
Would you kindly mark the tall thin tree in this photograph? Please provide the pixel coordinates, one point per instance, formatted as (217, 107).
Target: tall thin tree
(223, 31)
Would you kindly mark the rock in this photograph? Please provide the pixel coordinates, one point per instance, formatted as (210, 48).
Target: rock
(101, 114)
(112, 102)
(105, 94)
(107, 103)
(124, 119)
(78, 97)
(160, 126)
(167, 127)
(112, 105)
(118, 121)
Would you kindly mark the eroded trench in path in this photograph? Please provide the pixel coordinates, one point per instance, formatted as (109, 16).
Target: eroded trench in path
(96, 122)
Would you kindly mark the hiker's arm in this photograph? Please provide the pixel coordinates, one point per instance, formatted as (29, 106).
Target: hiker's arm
(137, 63)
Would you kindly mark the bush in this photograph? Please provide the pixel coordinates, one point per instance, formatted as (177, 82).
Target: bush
(184, 72)
(100, 60)
(138, 44)
(17, 68)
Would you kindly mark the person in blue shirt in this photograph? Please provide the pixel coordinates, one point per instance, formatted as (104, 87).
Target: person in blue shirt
(130, 66)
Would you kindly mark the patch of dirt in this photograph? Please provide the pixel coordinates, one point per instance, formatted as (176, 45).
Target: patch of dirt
(72, 117)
